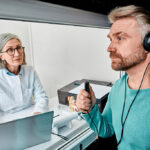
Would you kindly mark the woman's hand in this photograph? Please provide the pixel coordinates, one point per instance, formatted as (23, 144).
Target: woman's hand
(36, 113)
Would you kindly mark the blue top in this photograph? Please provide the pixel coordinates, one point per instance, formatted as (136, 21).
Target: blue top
(136, 134)
(18, 92)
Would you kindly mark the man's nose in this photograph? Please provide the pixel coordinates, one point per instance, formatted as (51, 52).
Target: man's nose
(111, 47)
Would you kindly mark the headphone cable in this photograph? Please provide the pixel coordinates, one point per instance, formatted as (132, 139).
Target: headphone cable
(123, 123)
(94, 125)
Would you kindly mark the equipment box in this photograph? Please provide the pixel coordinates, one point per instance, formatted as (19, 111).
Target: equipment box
(63, 92)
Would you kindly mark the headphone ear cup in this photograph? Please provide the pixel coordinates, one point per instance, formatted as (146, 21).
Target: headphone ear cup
(146, 42)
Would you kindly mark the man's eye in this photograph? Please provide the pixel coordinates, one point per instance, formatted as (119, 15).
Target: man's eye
(120, 38)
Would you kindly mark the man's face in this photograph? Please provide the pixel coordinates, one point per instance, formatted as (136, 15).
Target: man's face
(126, 48)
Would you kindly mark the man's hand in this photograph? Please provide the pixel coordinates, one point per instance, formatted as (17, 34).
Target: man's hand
(85, 101)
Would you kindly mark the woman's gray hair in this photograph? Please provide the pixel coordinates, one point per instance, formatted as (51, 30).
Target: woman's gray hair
(4, 38)
(140, 14)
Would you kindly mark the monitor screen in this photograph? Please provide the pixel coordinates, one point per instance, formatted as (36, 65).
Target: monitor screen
(26, 132)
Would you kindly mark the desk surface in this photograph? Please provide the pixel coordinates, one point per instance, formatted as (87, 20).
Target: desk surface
(76, 134)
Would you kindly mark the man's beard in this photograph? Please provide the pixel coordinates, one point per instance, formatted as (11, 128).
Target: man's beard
(128, 62)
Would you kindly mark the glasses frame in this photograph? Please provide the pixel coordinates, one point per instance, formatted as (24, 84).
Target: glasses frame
(22, 47)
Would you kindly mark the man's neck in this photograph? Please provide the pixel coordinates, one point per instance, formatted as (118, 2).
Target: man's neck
(136, 74)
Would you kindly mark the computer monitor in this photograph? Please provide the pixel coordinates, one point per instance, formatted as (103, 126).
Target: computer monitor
(26, 132)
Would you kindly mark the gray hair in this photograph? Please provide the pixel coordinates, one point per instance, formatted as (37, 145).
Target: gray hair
(4, 38)
(140, 14)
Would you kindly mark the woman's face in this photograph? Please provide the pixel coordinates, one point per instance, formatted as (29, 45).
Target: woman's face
(12, 53)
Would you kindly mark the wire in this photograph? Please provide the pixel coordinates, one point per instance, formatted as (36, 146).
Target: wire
(61, 136)
(93, 124)
(79, 114)
(123, 123)
(87, 89)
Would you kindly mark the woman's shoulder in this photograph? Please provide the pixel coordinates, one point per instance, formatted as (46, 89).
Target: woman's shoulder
(27, 69)
(1, 70)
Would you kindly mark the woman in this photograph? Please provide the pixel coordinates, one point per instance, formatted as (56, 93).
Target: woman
(19, 84)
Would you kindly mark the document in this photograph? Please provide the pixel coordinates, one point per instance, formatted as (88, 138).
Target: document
(99, 90)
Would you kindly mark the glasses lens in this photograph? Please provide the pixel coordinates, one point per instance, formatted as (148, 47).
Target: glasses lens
(10, 51)
(18, 48)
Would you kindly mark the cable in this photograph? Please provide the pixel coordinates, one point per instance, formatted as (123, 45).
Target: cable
(93, 124)
(123, 123)
(79, 113)
(61, 136)
(87, 89)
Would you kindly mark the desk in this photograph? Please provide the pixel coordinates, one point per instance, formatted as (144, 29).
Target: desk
(79, 134)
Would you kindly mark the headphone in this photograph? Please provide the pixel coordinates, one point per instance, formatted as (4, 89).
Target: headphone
(146, 42)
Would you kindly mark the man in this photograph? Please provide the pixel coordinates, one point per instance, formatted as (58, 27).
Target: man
(127, 112)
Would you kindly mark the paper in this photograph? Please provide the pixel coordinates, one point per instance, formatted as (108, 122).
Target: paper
(99, 90)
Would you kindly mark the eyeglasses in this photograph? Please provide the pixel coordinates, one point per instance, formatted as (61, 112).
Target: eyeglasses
(11, 51)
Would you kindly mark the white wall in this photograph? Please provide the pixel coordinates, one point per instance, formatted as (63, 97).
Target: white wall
(62, 54)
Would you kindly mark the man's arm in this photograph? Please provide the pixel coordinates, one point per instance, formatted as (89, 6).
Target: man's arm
(102, 121)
